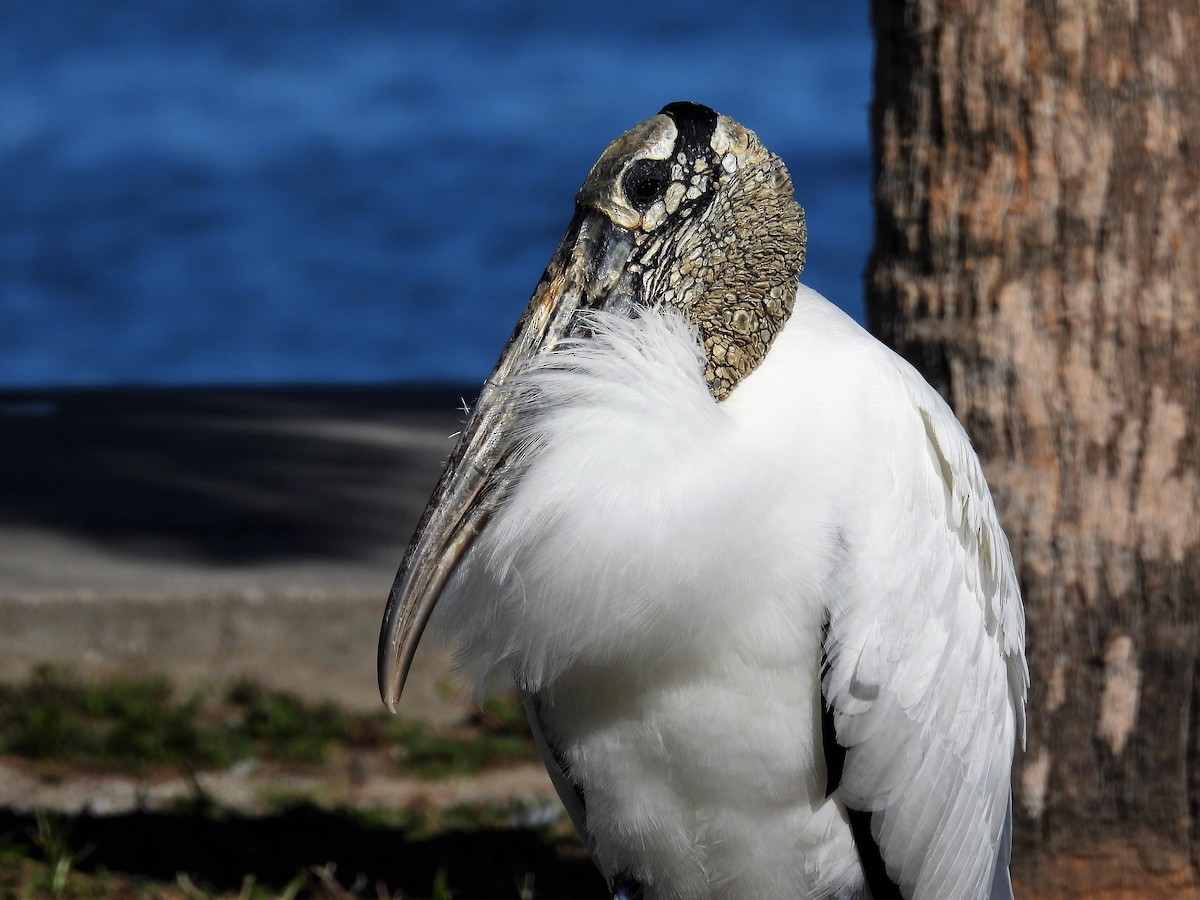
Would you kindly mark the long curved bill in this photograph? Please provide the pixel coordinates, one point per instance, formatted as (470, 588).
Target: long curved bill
(587, 271)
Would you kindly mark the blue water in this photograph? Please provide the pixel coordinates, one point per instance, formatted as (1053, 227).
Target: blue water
(283, 191)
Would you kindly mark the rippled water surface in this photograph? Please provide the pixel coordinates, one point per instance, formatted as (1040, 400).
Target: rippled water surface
(290, 191)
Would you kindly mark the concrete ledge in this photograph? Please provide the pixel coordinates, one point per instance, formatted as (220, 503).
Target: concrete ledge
(321, 647)
(210, 534)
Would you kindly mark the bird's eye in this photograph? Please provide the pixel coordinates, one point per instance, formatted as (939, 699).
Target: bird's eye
(647, 181)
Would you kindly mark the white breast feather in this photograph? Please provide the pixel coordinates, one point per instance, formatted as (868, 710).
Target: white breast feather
(643, 507)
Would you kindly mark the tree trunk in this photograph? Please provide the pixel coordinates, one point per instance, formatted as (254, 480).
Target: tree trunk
(1038, 257)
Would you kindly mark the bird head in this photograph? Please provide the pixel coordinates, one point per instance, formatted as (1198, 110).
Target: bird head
(700, 216)
(686, 210)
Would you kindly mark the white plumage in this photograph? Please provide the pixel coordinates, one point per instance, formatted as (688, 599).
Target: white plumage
(660, 578)
(765, 642)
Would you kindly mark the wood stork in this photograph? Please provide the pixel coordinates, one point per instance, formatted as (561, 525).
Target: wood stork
(738, 557)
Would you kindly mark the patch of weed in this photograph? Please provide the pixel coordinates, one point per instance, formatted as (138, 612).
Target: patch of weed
(432, 754)
(131, 724)
(292, 729)
(496, 732)
(54, 716)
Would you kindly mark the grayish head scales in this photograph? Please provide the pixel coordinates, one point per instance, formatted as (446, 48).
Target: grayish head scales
(716, 231)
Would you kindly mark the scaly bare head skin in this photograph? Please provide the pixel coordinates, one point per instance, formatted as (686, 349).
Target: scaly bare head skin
(716, 229)
(686, 209)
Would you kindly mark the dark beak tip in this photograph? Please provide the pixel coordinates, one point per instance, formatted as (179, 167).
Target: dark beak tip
(389, 693)
(391, 684)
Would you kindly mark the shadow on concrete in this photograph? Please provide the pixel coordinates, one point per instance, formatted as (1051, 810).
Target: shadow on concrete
(220, 852)
(239, 475)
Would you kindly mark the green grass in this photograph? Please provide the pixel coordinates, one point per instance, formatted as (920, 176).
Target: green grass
(54, 717)
(62, 724)
(427, 754)
(134, 724)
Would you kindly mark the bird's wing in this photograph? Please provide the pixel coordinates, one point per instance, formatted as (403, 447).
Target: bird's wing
(621, 886)
(568, 791)
(925, 675)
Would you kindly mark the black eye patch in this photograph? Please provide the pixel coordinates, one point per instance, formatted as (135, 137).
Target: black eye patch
(646, 182)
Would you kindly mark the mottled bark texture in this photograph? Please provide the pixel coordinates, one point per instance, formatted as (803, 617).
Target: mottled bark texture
(1038, 258)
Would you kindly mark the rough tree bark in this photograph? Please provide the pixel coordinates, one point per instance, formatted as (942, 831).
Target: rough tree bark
(1038, 257)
